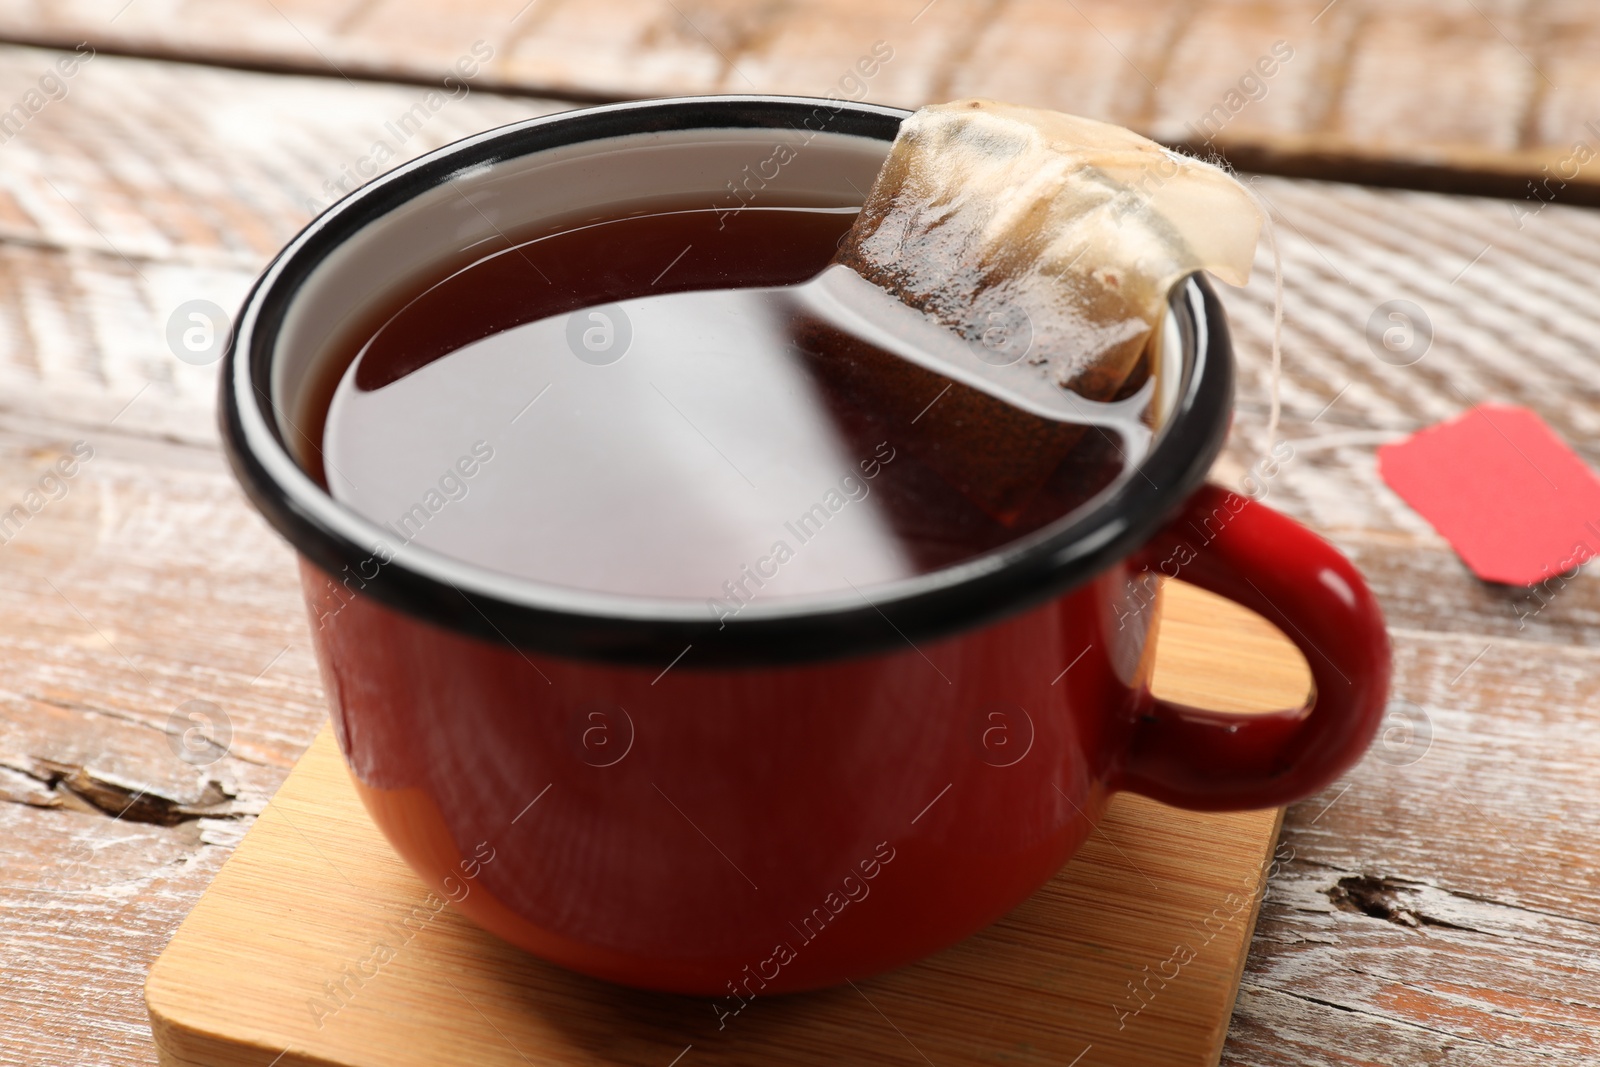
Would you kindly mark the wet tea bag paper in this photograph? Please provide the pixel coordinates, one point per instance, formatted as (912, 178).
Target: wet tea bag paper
(1046, 238)
(1041, 248)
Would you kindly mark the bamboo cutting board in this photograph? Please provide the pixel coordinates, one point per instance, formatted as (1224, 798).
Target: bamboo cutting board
(1130, 957)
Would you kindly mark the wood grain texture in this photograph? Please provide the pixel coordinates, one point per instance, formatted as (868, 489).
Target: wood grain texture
(1159, 901)
(167, 563)
(1444, 910)
(150, 185)
(1462, 94)
(1441, 903)
(150, 583)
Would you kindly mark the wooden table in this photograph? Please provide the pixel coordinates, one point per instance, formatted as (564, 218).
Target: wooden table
(1442, 904)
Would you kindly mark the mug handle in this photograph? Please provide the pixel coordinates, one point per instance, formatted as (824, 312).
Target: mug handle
(1216, 761)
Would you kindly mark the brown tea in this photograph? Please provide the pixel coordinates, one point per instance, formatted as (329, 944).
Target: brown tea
(679, 404)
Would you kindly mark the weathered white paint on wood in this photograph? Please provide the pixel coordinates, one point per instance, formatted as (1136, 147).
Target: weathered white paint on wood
(153, 184)
(1501, 88)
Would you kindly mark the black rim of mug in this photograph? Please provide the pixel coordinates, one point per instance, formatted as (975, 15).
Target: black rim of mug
(649, 632)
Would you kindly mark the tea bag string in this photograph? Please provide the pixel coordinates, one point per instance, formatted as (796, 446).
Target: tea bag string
(1270, 225)
(1275, 380)
(1277, 323)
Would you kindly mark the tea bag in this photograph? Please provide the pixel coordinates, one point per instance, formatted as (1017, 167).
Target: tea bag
(1047, 244)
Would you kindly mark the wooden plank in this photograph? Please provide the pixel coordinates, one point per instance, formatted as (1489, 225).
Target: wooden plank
(103, 237)
(116, 624)
(1482, 112)
(1471, 942)
(1358, 97)
(1428, 583)
(1220, 46)
(1099, 59)
(1504, 298)
(1051, 981)
(209, 168)
(150, 583)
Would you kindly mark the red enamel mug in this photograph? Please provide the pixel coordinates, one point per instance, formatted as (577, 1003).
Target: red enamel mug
(824, 787)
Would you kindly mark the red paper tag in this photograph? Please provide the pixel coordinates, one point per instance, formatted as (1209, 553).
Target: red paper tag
(1514, 501)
